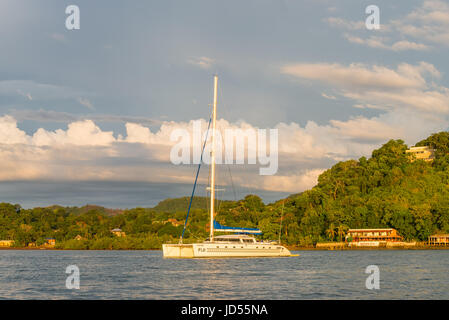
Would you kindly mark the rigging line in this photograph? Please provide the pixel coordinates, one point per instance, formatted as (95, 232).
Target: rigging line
(226, 112)
(232, 183)
(217, 198)
(196, 179)
(207, 193)
(228, 167)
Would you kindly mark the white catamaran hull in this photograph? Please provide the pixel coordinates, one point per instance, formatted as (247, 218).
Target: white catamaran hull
(221, 250)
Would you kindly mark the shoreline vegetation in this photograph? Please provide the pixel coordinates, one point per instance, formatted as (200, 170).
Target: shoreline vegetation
(391, 189)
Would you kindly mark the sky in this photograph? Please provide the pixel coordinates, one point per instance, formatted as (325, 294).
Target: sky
(96, 106)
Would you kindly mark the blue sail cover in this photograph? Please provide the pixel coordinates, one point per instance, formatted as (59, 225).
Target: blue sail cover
(221, 228)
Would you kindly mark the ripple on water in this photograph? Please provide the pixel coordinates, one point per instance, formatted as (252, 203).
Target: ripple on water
(146, 275)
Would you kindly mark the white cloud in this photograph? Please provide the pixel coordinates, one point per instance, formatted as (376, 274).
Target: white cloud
(346, 24)
(382, 43)
(26, 95)
(328, 96)
(9, 133)
(202, 62)
(299, 182)
(81, 133)
(83, 151)
(428, 23)
(409, 45)
(85, 102)
(407, 86)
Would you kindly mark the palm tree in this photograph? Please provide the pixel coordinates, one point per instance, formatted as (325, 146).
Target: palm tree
(331, 232)
(341, 230)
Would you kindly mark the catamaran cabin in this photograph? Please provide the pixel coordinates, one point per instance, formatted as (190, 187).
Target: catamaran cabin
(233, 238)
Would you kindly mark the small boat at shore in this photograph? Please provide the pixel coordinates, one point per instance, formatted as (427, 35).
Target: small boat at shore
(238, 245)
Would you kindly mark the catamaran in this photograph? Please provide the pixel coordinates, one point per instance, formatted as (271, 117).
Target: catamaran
(239, 244)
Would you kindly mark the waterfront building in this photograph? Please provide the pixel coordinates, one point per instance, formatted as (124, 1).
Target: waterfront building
(51, 242)
(118, 232)
(421, 153)
(6, 243)
(372, 237)
(439, 240)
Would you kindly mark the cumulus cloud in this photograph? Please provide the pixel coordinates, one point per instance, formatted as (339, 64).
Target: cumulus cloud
(81, 133)
(306, 180)
(9, 133)
(83, 151)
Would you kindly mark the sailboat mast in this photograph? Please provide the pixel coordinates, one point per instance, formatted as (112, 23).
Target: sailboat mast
(212, 171)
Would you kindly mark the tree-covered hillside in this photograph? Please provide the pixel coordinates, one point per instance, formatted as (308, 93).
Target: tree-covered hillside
(386, 190)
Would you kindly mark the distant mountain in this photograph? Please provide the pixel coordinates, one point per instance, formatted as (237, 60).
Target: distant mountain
(87, 208)
(173, 205)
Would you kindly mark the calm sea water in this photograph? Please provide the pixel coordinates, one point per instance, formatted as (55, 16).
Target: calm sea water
(146, 275)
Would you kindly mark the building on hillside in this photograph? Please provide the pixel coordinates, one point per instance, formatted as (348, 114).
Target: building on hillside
(372, 237)
(118, 232)
(439, 240)
(421, 153)
(50, 242)
(78, 237)
(6, 243)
